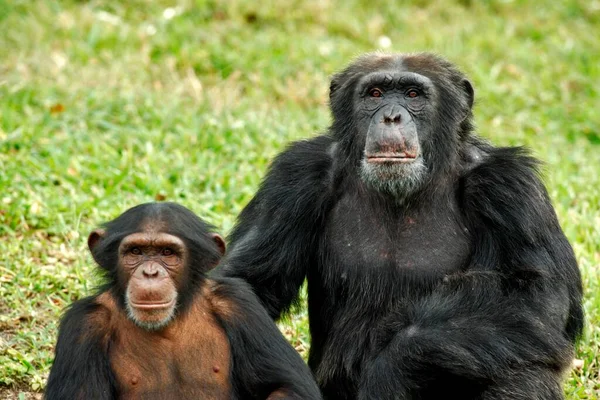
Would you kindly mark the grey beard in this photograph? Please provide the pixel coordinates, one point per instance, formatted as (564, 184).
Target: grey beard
(398, 180)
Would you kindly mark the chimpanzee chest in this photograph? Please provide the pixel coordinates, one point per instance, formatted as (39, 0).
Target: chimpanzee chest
(189, 359)
(368, 239)
(377, 261)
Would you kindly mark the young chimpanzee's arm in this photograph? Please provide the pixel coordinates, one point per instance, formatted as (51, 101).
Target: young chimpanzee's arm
(264, 364)
(81, 368)
(511, 318)
(275, 237)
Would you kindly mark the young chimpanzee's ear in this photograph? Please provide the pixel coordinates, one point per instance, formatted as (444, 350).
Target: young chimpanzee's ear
(218, 239)
(95, 238)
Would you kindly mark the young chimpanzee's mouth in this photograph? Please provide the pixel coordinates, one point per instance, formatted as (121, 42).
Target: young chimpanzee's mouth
(152, 305)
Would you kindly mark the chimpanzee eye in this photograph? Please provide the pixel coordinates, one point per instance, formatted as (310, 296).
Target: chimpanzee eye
(135, 251)
(375, 92)
(412, 93)
(167, 252)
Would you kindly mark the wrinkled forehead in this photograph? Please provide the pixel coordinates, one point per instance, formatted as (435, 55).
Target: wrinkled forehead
(149, 230)
(152, 239)
(377, 62)
(389, 78)
(420, 64)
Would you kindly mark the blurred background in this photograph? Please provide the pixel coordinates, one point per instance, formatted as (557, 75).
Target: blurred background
(107, 104)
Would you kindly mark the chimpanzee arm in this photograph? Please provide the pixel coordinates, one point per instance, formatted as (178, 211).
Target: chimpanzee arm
(518, 306)
(275, 237)
(469, 329)
(264, 364)
(81, 368)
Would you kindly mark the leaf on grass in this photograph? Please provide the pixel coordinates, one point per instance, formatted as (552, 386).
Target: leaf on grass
(57, 108)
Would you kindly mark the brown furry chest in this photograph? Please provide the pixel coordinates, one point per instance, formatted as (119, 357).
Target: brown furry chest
(188, 359)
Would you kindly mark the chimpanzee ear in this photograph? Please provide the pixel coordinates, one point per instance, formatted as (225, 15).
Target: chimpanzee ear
(94, 238)
(467, 100)
(340, 82)
(469, 91)
(335, 84)
(218, 239)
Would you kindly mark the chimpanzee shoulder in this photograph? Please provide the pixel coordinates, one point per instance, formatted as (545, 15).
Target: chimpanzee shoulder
(88, 317)
(508, 208)
(505, 192)
(296, 190)
(262, 363)
(297, 169)
(83, 338)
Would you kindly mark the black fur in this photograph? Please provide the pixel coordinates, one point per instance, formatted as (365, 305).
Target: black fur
(261, 359)
(262, 363)
(81, 368)
(465, 287)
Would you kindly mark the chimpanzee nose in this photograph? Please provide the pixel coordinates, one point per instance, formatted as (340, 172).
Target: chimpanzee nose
(150, 270)
(392, 117)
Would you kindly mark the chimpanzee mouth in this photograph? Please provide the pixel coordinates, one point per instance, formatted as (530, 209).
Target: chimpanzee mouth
(152, 305)
(400, 158)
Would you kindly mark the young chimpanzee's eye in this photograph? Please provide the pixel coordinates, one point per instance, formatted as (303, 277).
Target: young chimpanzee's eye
(136, 251)
(167, 252)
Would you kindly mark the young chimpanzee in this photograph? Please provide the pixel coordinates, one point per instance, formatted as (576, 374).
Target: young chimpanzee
(160, 329)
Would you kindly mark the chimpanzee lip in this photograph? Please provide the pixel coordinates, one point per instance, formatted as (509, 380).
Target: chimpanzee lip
(391, 158)
(151, 305)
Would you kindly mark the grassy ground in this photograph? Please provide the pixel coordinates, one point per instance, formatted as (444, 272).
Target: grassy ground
(106, 104)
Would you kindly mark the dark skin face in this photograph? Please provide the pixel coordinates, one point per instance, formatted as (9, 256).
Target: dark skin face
(393, 110)
(399, 120)
(153, 265)
(392, 107)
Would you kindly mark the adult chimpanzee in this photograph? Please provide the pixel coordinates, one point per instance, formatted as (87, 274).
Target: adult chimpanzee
(160, 329)
(435, 262)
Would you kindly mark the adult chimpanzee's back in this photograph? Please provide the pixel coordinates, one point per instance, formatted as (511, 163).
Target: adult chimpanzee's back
(436, 265)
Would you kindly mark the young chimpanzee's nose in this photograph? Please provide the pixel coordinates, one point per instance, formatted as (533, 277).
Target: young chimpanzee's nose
(150, 270)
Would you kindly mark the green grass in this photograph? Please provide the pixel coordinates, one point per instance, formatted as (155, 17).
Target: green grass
(106, 104)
